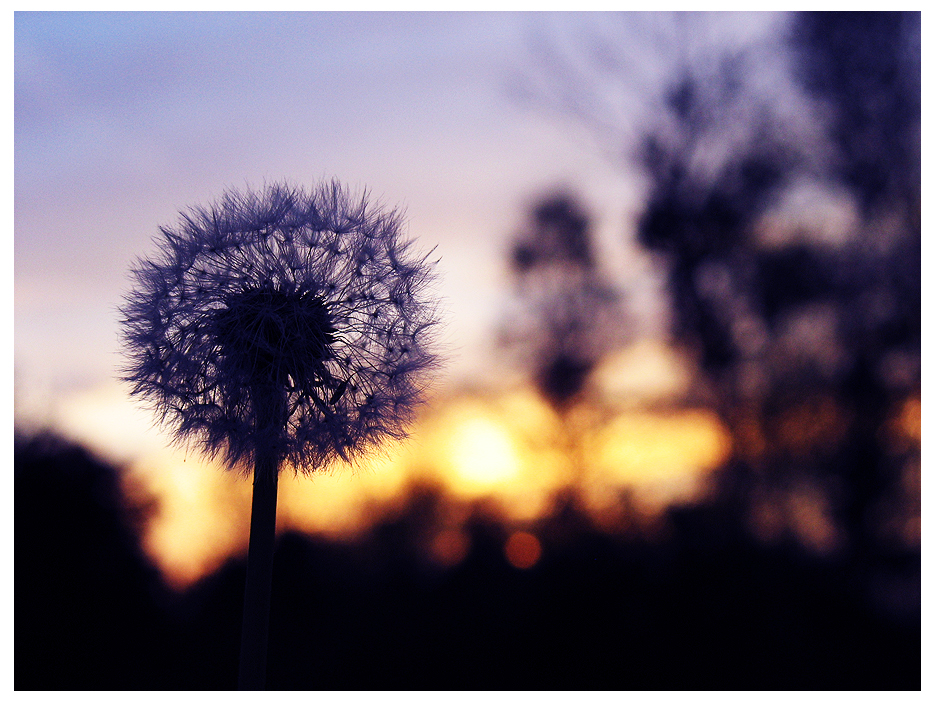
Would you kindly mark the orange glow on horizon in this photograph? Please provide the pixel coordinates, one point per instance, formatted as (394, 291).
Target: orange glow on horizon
(641, 447)
(509, 449)
(493, 448)
(202, 515)
(482, 453)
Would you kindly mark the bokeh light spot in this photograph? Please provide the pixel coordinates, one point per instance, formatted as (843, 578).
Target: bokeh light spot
(523, 550)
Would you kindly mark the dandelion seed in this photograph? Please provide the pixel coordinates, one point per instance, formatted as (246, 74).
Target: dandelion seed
(256, 313)
(265, 331)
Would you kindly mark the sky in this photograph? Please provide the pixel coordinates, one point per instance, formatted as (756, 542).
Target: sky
(122, 120)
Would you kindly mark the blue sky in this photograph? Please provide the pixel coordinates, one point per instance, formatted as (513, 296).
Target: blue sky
(123, 119)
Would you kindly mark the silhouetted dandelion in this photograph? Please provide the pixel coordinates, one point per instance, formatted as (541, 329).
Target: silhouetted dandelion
(281, 328)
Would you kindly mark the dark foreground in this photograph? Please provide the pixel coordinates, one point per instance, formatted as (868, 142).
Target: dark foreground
(703, 607)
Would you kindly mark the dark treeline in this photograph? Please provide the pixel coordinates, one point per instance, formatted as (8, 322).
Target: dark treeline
(811, 347)
(803, 335)
(700, 605)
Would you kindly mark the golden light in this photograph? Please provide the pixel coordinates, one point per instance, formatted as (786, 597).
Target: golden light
(202, 515)
(482, 453)
(341, 502)
(497, 447)
(662, 457)
(201, 512)
(645, 447)
(509, 448)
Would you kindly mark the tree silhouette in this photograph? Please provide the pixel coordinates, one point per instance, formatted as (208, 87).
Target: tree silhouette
(811, 346)
(566, 317)
(91, 609)
(561, 326)
(783, 204)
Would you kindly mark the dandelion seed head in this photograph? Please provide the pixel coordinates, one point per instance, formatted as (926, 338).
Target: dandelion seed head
(282, 322)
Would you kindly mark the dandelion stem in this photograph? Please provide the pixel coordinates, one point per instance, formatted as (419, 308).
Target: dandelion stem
(280, 329)
(254, 633)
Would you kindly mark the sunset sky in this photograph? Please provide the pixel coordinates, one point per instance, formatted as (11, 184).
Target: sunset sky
(123, 120)
(674, 437)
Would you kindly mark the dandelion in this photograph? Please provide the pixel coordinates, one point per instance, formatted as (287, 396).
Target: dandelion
(281, 328)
